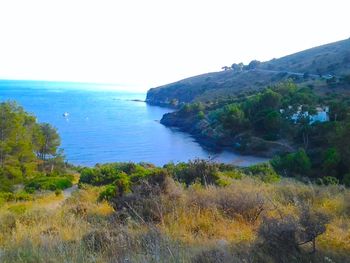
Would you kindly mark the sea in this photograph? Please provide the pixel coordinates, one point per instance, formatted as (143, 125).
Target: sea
(99, 123)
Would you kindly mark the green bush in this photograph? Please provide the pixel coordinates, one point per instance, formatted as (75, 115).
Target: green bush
(201, 115)
(292, 164)
(198, 170)
(5, 185)
(265, 172)
(108, 193)
(10, 197)
(234, 174)
(327, 180)
(7, 197)
(110, 173)
(48, 183)
(23, 196)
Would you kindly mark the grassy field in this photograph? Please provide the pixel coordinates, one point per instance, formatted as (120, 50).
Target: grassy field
(188, 224)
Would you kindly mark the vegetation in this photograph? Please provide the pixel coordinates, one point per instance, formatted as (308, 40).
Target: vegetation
(198, 211)
(48, 183)
(174, 214)
(278, 121)
(325, 68)
(294, 208)
(29, 153)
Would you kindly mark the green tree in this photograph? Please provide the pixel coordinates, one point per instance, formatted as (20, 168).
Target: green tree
(340, 139)
(331, 161)
(233, 118)
(48, 141)
(270, 99)
(292, 164)
(17, 158)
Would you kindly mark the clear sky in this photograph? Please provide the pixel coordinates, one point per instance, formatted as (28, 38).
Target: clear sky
(145, 43)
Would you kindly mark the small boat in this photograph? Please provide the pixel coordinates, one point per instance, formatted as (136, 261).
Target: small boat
(66, 114)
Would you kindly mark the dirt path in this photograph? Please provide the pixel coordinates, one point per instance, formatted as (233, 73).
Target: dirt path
(69, 191)
(66, 193)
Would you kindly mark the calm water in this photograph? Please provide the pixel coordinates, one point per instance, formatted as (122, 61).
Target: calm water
(106, 126)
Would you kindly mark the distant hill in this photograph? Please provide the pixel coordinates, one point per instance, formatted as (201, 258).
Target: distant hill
(332, 59)
(314, 65)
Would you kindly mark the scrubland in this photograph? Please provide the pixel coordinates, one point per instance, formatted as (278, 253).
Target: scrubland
(160, 218)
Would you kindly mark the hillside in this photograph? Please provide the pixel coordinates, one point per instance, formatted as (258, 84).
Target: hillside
(314, 66)
(332, 59)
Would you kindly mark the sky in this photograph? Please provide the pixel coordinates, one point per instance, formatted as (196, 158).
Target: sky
(145, 43)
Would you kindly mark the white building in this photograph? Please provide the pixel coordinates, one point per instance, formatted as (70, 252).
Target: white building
(322, 115)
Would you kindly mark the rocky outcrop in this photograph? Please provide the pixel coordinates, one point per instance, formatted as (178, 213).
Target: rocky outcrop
(216, 138)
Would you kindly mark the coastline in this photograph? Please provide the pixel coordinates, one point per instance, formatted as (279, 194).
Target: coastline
(217, 141)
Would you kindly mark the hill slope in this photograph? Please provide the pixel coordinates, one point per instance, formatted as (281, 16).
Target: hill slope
(331, 58)
(309, 65)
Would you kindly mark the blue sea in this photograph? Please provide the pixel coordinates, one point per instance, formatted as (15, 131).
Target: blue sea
(105, 125)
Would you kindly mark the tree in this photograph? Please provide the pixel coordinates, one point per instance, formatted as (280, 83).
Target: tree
(271, 123)
(22, 141)
(285, 235)
(233, 118)
(340, 139)
(17, 158)
(338, 111)
(313, 224)
(253, 64)
(48, 141)
(331, 161)
(225, 68)
(270, 99)
(237, 67)
(297, 163)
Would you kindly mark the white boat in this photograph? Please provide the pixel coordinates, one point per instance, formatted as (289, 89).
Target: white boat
(66, 114)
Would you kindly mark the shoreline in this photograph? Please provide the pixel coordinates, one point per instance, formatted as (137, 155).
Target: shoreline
(211, 140)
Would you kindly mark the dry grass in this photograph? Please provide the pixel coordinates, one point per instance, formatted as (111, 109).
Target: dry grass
(201, 223)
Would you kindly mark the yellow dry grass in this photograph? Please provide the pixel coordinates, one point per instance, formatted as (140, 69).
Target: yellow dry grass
(35, 220)
(187, 222)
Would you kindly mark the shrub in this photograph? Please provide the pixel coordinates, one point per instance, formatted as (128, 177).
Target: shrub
(48, 183)
(108, 193)
(232, 201)
(327, 180)
(79, 209)
(292, 193)
(346, 180)
(7, 196)
(234, 174)
(240, 202)
(282, 237)
(201, 115)
(216, 254)
(5, 184)
(292, 164)
(264, 172)
(23, 196)
(278, 237)
(204, 171)
(7, 223)
(313, 224)
(97, 240)
(148, 198)
(114, 172)
(20, 196)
